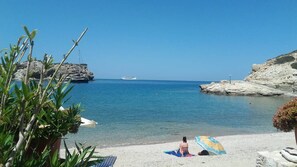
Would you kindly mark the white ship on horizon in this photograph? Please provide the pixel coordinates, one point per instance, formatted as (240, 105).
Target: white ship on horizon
(128, 78)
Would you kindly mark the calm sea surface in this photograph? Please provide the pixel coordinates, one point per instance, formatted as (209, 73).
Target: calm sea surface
(142, 112)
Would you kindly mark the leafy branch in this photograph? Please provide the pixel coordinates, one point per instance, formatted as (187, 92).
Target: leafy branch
(31, 100)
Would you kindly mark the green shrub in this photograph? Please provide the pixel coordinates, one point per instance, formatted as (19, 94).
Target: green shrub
(30, 110)
(294, 65)
(285, 117)
(284, 59)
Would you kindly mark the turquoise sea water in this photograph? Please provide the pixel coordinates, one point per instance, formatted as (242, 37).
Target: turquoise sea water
(142, 112)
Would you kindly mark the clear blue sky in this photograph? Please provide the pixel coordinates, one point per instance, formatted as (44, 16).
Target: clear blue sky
(157, 39)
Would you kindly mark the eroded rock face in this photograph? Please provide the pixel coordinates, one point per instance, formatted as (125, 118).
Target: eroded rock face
(241, 88)
(74, 72)
(275, 77)
(279, 73)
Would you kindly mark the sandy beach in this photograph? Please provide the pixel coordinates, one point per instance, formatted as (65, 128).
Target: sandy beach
(241, 151)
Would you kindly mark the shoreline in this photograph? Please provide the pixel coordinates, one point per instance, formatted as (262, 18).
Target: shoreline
(241, 151)
(70, 140)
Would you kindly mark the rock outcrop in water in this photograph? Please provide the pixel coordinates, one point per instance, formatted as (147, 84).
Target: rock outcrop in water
(74, 72)
(275, 77)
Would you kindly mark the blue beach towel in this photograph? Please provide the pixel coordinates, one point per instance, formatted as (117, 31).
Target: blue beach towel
(177, 153)
(107, 162)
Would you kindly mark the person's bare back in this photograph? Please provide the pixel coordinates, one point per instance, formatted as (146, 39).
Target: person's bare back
(184, 147)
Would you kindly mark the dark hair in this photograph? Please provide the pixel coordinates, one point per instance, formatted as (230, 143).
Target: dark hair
(185, 139)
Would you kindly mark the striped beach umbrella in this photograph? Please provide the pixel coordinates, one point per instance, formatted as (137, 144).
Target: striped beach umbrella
(210, 144)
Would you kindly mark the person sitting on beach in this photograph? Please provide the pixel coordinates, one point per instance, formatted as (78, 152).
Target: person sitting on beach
(184, 147)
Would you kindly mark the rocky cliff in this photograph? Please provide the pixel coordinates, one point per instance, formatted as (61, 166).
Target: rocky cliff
(275, 77)
(74, 72)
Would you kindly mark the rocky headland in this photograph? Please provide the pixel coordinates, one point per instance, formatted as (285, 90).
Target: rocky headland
(74, 72)
(275, 77)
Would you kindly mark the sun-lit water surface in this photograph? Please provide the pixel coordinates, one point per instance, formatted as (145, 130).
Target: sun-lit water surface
(142, 112)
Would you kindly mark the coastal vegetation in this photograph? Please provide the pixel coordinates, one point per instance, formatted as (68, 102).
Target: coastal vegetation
(285, 119)
(294, 65)
(284, 59)
(31, 120)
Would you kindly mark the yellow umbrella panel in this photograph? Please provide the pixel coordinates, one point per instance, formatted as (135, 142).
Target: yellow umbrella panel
(210, 144)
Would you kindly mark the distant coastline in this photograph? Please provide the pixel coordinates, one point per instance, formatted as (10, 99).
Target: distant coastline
(78, 73)
(275, 77)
